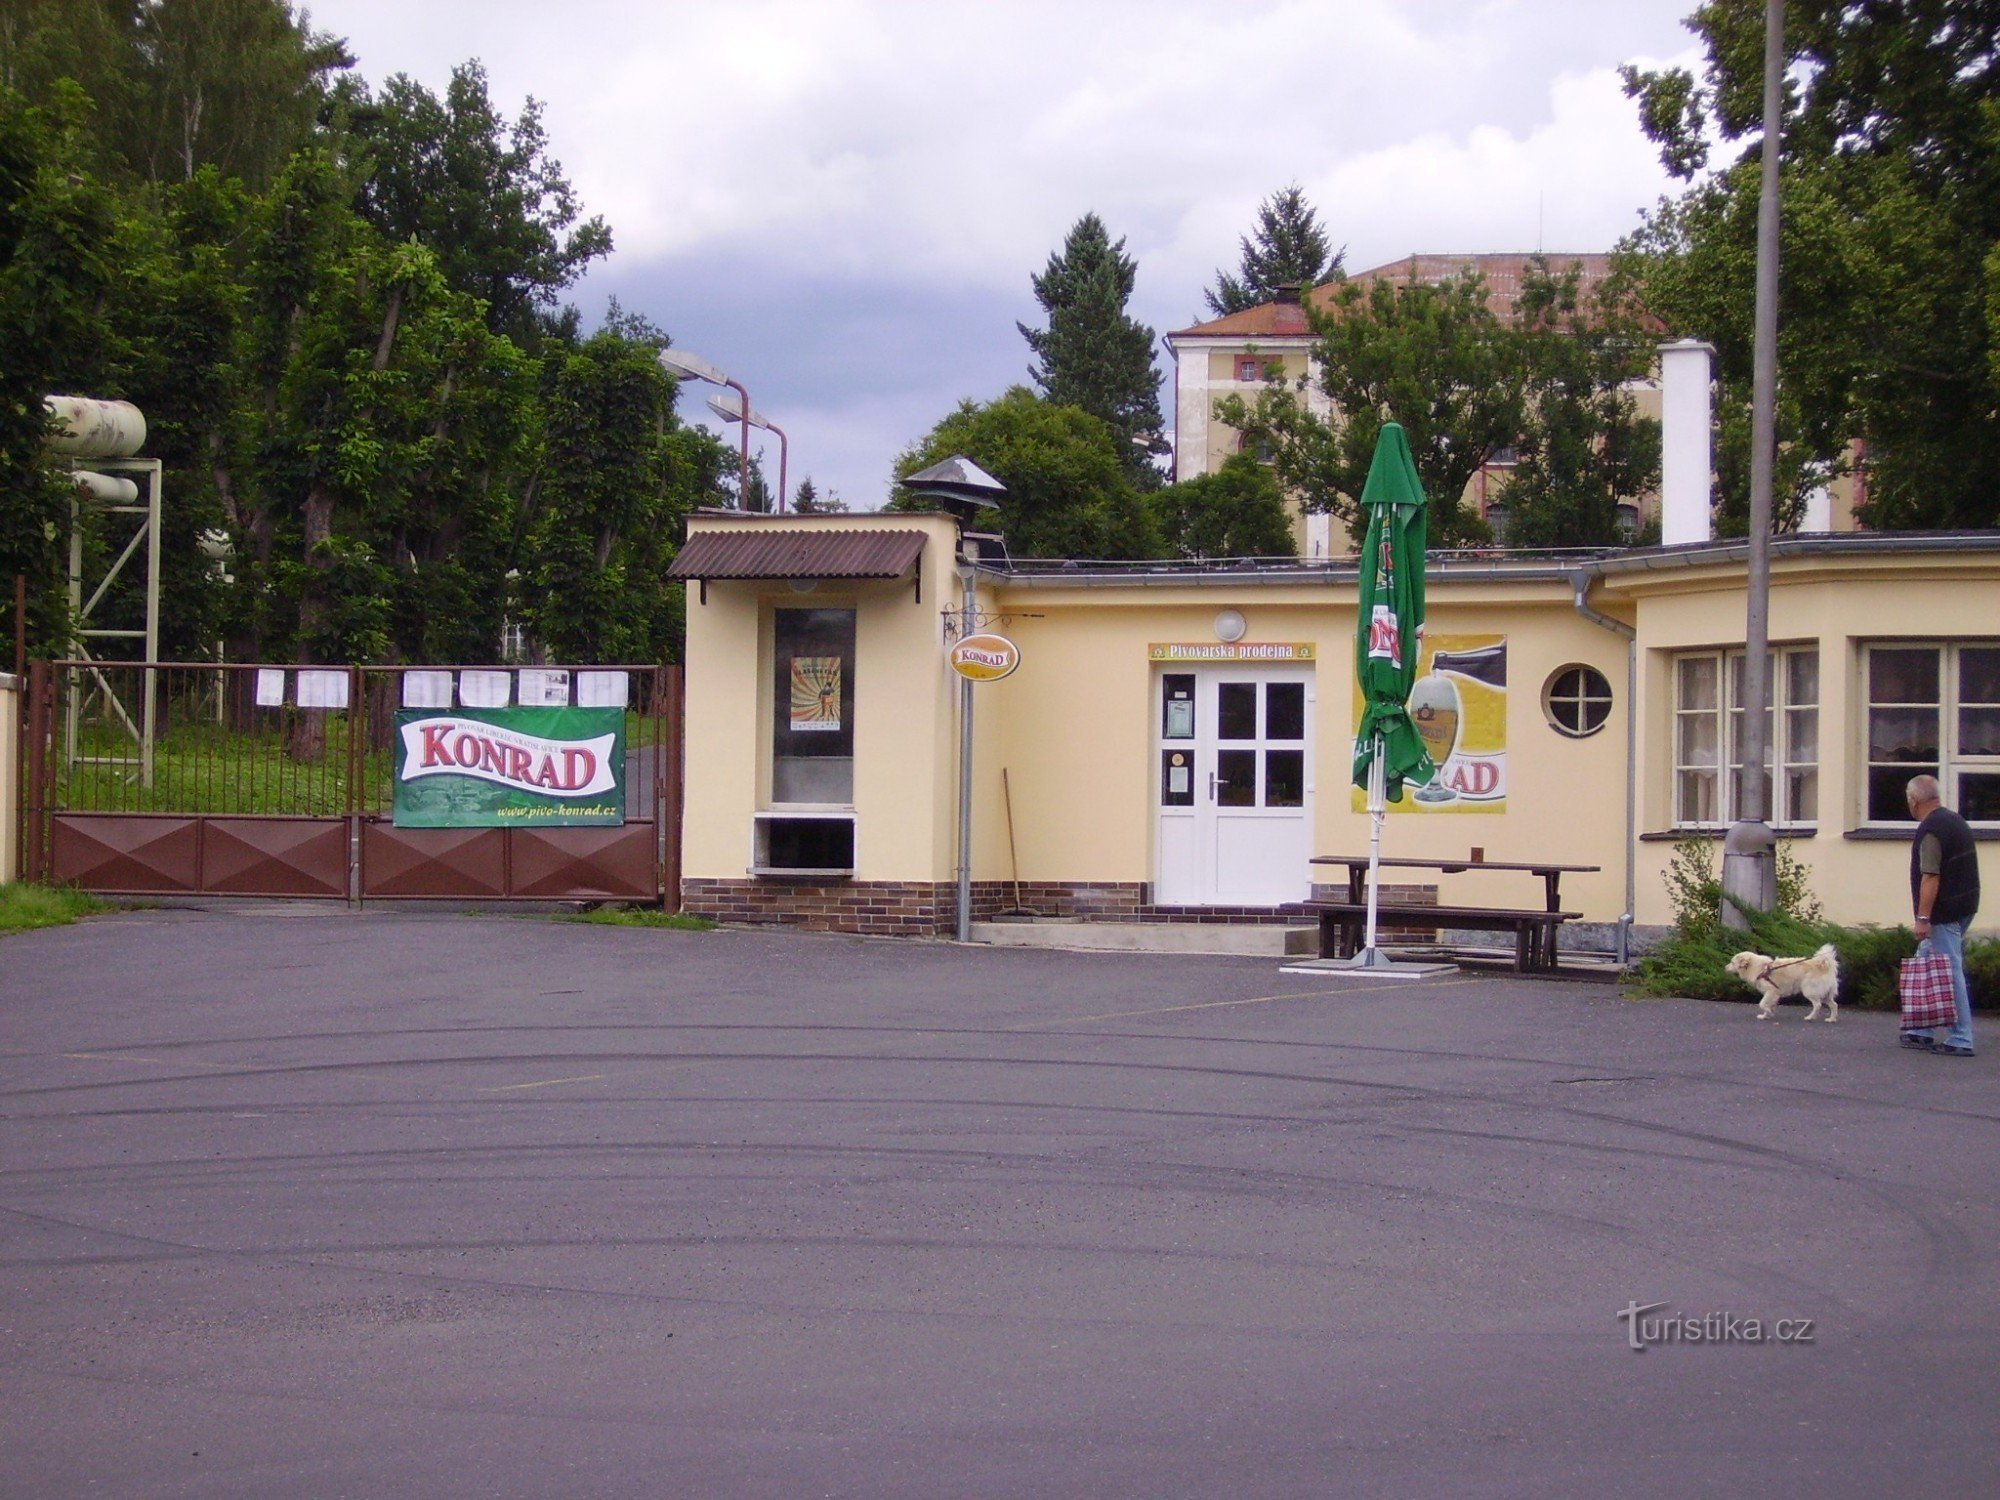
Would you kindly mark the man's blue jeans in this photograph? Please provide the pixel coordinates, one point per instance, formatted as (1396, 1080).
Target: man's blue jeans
(1948, 938)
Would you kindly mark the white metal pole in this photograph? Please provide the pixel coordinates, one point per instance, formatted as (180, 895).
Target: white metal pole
(1378, 808)
(967, 612)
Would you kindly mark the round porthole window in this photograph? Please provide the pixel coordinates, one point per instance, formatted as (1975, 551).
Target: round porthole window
(1577, 701)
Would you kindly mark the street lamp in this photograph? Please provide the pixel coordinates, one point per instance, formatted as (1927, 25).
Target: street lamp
(693, 367)
(732, 409)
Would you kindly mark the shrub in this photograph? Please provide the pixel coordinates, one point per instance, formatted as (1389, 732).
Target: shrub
(1691, 965)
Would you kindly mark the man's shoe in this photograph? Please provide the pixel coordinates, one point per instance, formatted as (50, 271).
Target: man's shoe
(1951, 1049)
(1918, 1041)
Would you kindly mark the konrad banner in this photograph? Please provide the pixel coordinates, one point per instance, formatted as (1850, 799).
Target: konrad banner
(1459, 705)
(510, 768)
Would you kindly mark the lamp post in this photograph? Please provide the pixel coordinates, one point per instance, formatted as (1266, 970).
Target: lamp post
(687, 366)
(730, 409)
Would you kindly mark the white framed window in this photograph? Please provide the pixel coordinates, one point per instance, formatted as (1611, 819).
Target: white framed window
(1933, 708)
(1708, 726)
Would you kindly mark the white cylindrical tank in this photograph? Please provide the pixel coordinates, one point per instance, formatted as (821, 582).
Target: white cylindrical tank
(114, 489)
(96, 429)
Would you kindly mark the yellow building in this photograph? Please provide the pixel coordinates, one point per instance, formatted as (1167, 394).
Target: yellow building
(1176, 741)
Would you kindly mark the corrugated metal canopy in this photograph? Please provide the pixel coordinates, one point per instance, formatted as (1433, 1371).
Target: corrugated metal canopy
(798, 554)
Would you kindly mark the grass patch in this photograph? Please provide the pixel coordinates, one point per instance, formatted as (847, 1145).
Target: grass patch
(641, 916)
(23, 907)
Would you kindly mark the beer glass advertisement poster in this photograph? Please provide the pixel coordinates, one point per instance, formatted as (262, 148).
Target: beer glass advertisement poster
(1459, 705)
(510, 768)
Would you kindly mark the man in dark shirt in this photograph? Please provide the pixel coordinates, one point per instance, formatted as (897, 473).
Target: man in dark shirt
(1944, 894)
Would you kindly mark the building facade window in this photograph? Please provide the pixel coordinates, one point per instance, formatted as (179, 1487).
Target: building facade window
(1708, 726)
(812, 706)
(1934, 709)
(1577, 700)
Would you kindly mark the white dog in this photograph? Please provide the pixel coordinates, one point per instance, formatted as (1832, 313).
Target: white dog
(1817, 978)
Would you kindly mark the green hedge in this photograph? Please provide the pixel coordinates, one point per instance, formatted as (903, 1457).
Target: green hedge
(1691, 964)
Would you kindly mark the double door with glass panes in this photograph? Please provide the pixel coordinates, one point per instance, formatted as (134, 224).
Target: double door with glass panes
(1232, 790)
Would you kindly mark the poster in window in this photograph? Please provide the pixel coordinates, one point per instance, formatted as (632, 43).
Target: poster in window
(815, 695)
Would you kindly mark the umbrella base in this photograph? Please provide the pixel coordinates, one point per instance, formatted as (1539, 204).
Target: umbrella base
(1370, 963)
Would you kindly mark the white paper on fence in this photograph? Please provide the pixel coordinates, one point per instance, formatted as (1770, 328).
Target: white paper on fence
(541, 687)
(427, 690)
(270, 687)
(322, 689)
(484, 689)
(603, 689)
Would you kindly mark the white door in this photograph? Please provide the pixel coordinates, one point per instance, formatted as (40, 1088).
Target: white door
(1232, 785)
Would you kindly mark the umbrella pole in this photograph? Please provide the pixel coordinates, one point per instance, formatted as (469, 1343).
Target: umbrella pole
(1370, 957)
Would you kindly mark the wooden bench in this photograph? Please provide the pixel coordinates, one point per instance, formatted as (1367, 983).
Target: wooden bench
(1343, 925)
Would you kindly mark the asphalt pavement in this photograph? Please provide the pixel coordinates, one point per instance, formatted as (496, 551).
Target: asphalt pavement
(301, 1202)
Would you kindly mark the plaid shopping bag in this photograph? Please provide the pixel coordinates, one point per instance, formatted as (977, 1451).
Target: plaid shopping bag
(1924, 988)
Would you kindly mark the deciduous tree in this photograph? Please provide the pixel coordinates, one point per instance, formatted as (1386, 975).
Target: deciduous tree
(1238, 511)
(1891, 212)
(1068, 494)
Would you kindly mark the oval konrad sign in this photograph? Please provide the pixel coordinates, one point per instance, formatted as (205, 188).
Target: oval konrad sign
(984, 658)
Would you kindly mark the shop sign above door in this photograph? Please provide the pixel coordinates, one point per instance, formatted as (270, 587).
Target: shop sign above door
(1230, 651)
(984, 658)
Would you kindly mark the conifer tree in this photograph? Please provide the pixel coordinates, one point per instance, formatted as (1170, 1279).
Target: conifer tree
(1094, 355)
(1289, 248)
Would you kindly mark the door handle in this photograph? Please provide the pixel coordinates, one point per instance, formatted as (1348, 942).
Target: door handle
(1211, 786)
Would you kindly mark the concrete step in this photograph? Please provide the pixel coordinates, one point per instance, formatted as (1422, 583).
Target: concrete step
(1151, 937)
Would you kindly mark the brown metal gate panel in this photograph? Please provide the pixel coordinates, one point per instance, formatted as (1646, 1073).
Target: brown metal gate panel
(585, 864)
(458, 862)
(274, 857)
(226, 791)
(127, 854)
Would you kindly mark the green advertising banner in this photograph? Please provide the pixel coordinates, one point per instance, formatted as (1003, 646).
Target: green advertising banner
(510, 767)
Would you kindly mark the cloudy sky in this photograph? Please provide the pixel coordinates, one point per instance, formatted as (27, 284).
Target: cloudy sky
(840, 202)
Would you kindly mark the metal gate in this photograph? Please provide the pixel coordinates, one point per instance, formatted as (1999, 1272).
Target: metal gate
(160, 779)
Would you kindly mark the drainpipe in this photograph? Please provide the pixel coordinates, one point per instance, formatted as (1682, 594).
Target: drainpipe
(1580, 582)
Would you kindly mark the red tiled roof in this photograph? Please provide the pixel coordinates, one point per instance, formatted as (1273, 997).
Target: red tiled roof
(762, 553)
(1503, 274)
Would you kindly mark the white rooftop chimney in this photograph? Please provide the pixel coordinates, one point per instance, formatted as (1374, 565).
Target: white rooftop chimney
(1687, 461)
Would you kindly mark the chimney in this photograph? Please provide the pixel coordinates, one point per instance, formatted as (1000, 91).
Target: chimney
(1287, 291)
(1687, 462)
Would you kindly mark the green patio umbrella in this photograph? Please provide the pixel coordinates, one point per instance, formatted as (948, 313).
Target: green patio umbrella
(1391, 615)
(1387, 748)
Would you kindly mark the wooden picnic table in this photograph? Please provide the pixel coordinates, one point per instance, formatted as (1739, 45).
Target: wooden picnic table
(1534, 930)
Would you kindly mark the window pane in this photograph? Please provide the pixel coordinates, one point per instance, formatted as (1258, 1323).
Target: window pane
(1979, 674)
(1903, 674)
(1236, 710)
(1177, 706)
(1697, 682)
(1979, 796)
(1886, 803)
(1801, 677)
(1236, 778)
(1979, 731)
(1903, 735)
(1285, 711)
(1801, 795)
(1177, 778)
(1802, 735)
(1697, 741)
(1284, 778)
(1696, 796)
